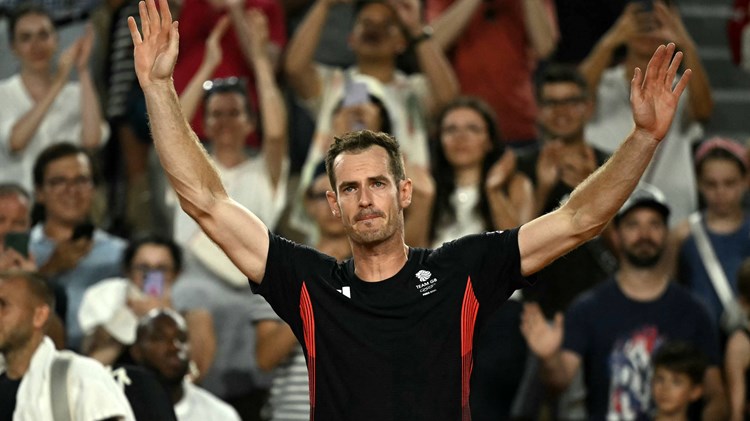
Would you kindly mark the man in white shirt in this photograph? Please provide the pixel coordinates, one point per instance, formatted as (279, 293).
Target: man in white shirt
(161, 346)
(31, 386)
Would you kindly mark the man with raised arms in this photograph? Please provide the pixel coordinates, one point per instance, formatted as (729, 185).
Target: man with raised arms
(387, 334)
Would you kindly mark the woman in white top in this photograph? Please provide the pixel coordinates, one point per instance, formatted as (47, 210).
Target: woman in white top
(40, 105)
(476, 186)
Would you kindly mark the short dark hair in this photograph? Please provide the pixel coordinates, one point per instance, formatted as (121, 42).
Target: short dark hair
(57, 151)
(38, 286)
(681, 357)
(360, 141)
(136, 244)
(9, 189)
(23, 9)
(561, 73)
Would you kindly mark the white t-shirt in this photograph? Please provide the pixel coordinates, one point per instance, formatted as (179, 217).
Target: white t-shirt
(61, 123)
(92, 392)
(672, 169)
(199, 405)
(468, 220)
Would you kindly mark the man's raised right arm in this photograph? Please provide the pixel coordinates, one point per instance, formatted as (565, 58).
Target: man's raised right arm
(242, 236)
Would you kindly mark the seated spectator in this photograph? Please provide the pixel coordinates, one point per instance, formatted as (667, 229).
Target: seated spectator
(612, 331)
(737, 355)
(40, 105)
(33, 375)
(161, 346)
(110, 310)
(520, 33)
(677, 380)
(641, 32)
(382, 30)
(714, 241)
(69, 250)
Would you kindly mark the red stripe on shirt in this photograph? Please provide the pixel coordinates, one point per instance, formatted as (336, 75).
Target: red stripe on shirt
(468, 320)
(308, 326)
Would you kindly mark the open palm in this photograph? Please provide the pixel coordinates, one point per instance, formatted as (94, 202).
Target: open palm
(543, 339)
(156, 50)
(652, 96)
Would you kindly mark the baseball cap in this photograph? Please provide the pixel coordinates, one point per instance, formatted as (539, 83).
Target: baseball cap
(645, 195)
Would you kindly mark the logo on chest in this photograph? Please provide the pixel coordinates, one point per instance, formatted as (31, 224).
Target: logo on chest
(425, 285)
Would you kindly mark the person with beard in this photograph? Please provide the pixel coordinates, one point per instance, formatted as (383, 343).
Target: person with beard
(161, 346)
(613, 330)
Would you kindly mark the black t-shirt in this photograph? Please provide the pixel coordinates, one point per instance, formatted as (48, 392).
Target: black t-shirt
(401, 348)
(8, 392)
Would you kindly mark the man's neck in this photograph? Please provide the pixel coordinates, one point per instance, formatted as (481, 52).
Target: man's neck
(176, 392)
(58, 230)
(382, 70)
(382, 261)
(17, 360)
(641, 284)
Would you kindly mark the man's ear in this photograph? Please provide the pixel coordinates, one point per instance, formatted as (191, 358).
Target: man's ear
(405, 192)
(333, 203)
(41, 315)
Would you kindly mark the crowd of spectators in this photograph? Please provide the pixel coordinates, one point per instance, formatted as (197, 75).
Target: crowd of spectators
(501, 108)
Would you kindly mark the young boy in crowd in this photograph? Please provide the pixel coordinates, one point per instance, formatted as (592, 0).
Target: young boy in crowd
(677, 381)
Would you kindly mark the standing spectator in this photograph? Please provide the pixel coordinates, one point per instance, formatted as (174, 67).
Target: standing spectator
(64, 182)
(162, 346)
(559, 166)
(40, 106)
(30, 365)
(520, 33)
(110, 309)
(612, 331)
(737, 355)
(719, 235)
(641, 31)
(382, 31)
(198, 19)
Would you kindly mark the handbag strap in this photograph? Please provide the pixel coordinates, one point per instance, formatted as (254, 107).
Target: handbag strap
(59, 388)
(710, 261)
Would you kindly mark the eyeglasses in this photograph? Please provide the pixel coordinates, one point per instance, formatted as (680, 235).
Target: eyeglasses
(60, 183)
(231, 83)
(144, 269)
(563, 102)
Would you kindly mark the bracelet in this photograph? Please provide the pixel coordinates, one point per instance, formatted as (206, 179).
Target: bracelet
(423, 36)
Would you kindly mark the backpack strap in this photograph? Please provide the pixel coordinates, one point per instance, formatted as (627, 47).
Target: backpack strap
(59, 388)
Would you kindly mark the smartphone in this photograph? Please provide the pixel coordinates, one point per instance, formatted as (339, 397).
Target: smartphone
(356, 93)
(83, 230)
(153, 283)
(18, 241)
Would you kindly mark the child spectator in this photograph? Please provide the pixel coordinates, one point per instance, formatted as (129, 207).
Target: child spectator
(678, 380)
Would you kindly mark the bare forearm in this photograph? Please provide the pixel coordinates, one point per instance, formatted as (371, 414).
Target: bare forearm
(598, 61)
(541, 27)
(192, 96)
(299, 64)
(273, 114)
(439, 72)
(715, 409)
(26, 126)
(553, 373)
(91, 112)
(452, 22)
(185, 161)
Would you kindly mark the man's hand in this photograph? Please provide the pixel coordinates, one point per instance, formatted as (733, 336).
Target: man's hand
(410, 14)
(652, 99)
(576, 165)
(11, 259)
(543, 339)
(156, 50)
(548, 164)
(66, 256)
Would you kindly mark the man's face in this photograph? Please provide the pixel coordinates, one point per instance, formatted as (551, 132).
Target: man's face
(377, 33)
(673, 391)
(563, 110)
(465, 138)
(14, 214)
(317, 207)
(152, 257)
(67, 190)
(722, 185)
(369, 201)
(164, 349)
(17, 309)
(642, 234)
(227, 122)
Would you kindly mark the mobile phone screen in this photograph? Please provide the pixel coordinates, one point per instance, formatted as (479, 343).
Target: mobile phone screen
(153, 283)
(18, 241)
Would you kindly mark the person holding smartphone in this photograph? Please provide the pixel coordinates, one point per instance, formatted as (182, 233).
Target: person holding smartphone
(15, 220)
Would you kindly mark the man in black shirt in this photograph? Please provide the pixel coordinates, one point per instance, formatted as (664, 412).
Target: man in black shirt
(388, 335)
